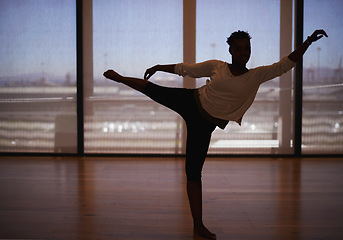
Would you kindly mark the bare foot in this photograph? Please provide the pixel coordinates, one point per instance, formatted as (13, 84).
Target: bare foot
(203, 232)
(110, 74)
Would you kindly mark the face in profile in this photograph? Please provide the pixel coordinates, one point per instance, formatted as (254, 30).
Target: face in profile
(240, 50)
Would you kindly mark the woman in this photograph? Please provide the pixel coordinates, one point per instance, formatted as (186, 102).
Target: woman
(225, 97)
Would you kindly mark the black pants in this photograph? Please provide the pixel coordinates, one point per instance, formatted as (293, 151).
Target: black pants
(199, 130)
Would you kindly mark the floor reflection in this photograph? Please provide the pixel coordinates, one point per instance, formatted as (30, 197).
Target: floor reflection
(289, 199)
(86, 196)
(124, 197)
(136, 198)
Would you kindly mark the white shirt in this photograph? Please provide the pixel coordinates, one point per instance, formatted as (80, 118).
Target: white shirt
(226, 96)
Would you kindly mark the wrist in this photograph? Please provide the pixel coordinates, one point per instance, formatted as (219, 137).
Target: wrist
(308, 41)
(157, 67)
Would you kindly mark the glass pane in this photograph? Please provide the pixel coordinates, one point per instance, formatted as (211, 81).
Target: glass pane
(129, 37)
(261, 126)
(37, 76)
(323, 80)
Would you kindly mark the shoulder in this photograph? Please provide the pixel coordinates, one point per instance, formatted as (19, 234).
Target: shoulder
(212, 62)
(217, 64)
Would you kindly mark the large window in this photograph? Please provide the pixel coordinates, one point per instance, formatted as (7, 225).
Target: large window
(37, 76)
(263, 128)
(322, 124)
(38, 100)
(129, 37)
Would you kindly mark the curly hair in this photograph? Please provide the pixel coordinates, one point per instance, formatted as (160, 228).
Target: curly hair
(237, 35)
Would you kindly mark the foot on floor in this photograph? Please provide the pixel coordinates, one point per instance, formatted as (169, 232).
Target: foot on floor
(203, 232)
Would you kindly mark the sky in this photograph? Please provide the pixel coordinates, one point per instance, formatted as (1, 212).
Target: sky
(39, 36)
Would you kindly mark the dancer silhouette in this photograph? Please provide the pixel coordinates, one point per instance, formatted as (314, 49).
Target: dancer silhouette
(225, 97)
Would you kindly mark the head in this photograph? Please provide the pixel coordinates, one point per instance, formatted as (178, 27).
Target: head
(239, 47)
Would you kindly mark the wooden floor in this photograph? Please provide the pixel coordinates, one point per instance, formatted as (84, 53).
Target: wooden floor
(145, 198)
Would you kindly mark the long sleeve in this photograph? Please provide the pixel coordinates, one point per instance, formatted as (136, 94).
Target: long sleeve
(265, 73)
(197, 70)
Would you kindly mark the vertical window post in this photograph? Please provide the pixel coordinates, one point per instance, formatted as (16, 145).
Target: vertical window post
(84, 65)
(189, 36)
(285, 120)
(299, 27)
(79, 78)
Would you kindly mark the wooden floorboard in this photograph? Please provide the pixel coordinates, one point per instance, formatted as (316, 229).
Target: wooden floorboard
(145, 198)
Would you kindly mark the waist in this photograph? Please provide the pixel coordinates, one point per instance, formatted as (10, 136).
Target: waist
(217, 121)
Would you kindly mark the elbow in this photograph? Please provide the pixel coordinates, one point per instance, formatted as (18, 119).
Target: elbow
(293, 58)
(179, 70)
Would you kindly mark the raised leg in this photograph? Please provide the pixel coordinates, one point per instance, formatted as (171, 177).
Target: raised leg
(199, 135)
(135, 83)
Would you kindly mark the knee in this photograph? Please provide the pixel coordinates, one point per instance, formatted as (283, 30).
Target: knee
(149, 87)
(194, 178)
(193, 174)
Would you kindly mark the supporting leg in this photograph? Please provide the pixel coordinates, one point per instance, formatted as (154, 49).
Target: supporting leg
(194, 192)
(198, 140)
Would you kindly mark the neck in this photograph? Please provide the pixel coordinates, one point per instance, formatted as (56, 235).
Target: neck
(236, 65)
(237, 69)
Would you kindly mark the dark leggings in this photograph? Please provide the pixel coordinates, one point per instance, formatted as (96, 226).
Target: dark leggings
(199, 130)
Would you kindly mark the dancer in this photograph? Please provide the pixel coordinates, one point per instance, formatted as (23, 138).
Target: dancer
(227, 95)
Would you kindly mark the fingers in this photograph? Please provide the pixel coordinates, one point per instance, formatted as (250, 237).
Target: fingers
(321, 32)
(148, 73)
(146, 76)
(318, 34)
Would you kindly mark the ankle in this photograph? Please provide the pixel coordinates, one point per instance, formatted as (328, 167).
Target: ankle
(198, 224)
(201, 230)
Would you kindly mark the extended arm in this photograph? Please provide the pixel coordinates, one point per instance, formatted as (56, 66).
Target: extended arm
(297, 54)
(195, 70)
(163, 68)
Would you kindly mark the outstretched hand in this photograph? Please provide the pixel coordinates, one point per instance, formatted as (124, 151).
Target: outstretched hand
(316, 35)
(149, 72)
